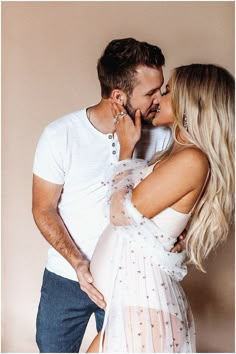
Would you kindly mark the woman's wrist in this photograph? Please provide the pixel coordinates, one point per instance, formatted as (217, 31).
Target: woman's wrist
(126, 154)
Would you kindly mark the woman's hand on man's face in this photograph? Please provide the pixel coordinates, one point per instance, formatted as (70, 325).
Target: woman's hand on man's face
(127, 130)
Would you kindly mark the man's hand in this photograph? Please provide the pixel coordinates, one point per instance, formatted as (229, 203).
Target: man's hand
(85, 279)
(179, 245)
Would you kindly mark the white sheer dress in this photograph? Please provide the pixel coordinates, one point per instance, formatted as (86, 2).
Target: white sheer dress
(147, 310)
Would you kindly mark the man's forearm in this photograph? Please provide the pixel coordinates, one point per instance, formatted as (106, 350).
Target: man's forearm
(55, 232)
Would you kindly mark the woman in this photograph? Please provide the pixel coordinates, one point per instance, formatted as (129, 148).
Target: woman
(189, 186)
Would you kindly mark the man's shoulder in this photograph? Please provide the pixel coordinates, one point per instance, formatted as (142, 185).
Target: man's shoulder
(66, 121)
(157, 132)
(164, 132)
(160, 137)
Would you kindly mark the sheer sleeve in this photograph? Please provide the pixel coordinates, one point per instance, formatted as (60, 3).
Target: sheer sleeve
(122, 178)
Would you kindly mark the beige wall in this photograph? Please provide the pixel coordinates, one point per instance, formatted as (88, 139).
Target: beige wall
(49, 54)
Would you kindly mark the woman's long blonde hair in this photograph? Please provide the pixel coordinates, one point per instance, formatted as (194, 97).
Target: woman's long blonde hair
(204, 96)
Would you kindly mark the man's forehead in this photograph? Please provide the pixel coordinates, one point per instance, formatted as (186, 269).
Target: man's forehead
(149, 77)
(148, 70)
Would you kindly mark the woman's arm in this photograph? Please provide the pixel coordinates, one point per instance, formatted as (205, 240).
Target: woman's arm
(176, 182)
(168, 185)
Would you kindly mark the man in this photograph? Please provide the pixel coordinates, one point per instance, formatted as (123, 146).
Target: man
(69, 194)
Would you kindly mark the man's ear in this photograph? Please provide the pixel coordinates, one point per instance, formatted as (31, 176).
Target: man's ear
(119, 97)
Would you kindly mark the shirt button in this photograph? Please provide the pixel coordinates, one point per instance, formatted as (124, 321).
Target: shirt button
(114, 152)
(113, 144)
(110, 136)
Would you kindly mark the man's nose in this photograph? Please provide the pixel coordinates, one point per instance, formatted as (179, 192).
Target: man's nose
(157, 97)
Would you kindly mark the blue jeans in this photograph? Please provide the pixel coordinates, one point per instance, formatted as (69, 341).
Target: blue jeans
(63, 314)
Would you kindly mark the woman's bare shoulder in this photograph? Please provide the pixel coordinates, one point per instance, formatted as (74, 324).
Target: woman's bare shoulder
(193, 154)
(193, 159)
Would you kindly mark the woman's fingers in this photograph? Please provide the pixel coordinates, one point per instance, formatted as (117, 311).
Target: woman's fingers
(116, 109)
(137, 119)
(119, 113)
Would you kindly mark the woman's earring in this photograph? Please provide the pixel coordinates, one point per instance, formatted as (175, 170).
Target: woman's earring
(185, 122)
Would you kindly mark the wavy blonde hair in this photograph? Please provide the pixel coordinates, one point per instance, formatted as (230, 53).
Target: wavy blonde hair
(204, 94)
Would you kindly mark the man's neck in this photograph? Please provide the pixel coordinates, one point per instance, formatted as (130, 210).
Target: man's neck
(100, 116)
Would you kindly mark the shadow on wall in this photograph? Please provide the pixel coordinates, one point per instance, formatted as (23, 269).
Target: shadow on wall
(210, 301)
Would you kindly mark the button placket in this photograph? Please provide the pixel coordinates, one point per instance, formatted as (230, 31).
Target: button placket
(113, 144)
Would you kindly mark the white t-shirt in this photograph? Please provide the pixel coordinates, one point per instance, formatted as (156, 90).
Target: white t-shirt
(72, 152)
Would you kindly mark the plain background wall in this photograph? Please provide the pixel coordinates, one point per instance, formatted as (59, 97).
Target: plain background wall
(49, 55)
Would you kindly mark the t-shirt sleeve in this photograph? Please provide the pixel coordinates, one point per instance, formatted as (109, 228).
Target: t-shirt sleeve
(168, 139)
(48, 160)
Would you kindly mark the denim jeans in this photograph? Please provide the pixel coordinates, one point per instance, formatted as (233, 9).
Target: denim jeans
(63, 314)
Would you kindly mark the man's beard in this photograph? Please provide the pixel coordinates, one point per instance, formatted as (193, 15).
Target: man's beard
(131, 112)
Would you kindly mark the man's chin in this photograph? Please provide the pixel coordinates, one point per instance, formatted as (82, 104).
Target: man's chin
(147, 120)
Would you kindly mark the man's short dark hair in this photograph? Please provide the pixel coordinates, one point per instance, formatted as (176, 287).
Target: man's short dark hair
(117, 66)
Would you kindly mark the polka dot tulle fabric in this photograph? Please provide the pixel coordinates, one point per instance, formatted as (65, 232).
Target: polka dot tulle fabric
(147, 310)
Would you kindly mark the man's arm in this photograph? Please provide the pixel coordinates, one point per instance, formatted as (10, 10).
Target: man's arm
(45, 211)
